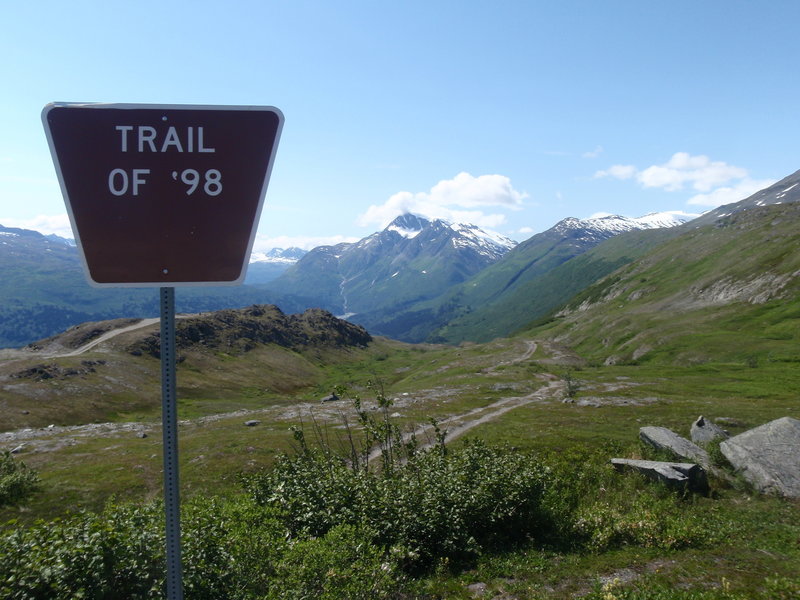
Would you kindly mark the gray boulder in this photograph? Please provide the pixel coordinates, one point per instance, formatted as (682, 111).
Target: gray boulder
(662, 438)
(682, 476)
(768, 456)
(704, 431)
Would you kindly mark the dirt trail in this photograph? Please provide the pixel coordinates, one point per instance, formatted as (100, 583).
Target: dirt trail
(461, 424)
(9, 355)
(55, 437)
(103, 338)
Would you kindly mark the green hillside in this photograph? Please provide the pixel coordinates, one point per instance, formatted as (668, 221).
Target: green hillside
(534, 281)
(727, 291)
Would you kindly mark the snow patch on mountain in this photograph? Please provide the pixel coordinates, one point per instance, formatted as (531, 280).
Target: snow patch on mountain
(278, 256)
(616, 224)
(488, 241)
(406, 233)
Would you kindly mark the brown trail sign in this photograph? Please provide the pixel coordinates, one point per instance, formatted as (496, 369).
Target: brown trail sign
(163, 195)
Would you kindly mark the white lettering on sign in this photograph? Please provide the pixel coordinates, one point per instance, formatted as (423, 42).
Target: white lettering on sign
(119, 182)
(212, 185)
(147, 139)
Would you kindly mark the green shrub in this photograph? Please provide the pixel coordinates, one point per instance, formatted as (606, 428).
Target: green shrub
(436, 505)
(17, 480)
(595, 508)
(342, 564)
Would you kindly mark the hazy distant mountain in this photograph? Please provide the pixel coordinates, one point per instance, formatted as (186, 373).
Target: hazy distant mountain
(266, 266)
(43, 291)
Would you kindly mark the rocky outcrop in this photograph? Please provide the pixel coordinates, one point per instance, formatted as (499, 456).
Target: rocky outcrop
(682, 476)
(244, 329)
(705, 431)
(768, 456)
(665, 439)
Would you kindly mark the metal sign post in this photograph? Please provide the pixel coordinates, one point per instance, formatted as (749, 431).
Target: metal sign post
(169, 419)
(164, 196)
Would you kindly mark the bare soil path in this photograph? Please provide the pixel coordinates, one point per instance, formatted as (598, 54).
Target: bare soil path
(55, 437)
(104, 338)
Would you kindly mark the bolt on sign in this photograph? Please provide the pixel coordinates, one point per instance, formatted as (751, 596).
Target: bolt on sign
(163, 195)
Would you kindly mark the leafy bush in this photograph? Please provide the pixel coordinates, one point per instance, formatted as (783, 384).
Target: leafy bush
(17, 480)
(234, 550)
(342, 564)
(437, 505)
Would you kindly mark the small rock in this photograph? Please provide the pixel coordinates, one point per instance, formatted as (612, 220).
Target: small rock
(704, 431)
(141, 435)
(477, 589)
(252, 423)
(18, 449)
(332, 398)
(589, 402)
(26, 412)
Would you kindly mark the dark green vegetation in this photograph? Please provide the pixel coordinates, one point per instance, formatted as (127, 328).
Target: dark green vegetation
(17, 481)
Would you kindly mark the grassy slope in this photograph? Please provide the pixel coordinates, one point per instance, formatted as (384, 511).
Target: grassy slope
(550, 285)
(724, 292)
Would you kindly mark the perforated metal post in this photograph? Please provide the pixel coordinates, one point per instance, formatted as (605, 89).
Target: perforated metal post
(169, 418)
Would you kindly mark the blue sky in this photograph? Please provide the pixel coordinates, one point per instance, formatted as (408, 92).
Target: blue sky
(509, 114)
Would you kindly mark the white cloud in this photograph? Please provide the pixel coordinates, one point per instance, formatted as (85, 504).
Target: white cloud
(264, 243)
(598, 150)
(716, 181)
(46, 224)
(452, 199)
(525, 230)
(700, 171)
(728, 194)
(618, 172)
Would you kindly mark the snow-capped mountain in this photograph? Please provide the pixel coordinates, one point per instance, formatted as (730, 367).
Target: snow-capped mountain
(411, 260)
(615, 224)
(512, 290)
(466, 235)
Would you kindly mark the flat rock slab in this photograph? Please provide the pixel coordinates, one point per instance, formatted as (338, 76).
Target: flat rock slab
(768, 456)
(662, 438)
(683, 476)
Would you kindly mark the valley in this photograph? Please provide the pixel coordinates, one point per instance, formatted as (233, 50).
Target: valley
(645, 328)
